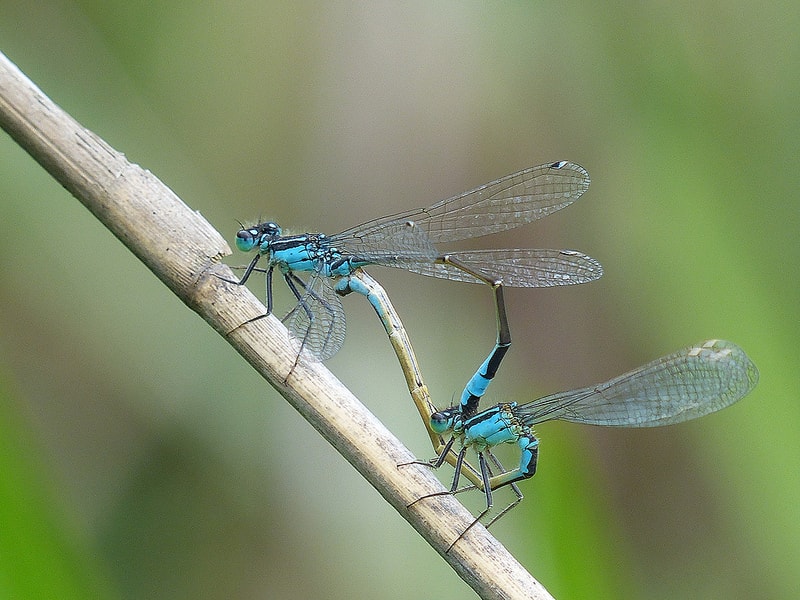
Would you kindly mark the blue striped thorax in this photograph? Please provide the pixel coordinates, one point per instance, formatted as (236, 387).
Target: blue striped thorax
(496, 425)
(304, 252)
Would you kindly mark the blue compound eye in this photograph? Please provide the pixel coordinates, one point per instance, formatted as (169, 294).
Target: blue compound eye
(441, 421)
(246, 239)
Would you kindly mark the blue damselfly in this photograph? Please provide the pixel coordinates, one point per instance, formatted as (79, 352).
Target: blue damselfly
(410, 240)
(681, 386)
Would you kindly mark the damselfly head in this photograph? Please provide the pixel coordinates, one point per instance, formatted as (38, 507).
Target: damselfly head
(445, 420)
(249, 237)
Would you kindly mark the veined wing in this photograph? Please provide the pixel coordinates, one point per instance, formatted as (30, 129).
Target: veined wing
(500, 205)
(516, 267)
(317, 321)
(678, 387)
(395, 244)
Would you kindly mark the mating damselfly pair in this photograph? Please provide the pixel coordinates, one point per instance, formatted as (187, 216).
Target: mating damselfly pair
(678, 387)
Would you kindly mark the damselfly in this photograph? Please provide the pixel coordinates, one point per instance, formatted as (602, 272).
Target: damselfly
(684, 385)
(409, 241)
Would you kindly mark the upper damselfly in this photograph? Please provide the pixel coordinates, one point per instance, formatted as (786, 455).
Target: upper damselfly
(410, 240)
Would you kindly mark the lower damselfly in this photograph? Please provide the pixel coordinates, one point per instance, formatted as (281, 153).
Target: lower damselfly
(681, 386)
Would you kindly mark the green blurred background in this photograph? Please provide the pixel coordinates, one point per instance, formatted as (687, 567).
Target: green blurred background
(142, 458)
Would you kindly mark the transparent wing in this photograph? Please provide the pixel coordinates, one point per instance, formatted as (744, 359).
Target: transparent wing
(317, 321)
(503, 204)
(678, 387)
(396, 244)
(517, 267)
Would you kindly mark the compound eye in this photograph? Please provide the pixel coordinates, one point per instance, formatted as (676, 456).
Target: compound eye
(246, 239)
(441, 422)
